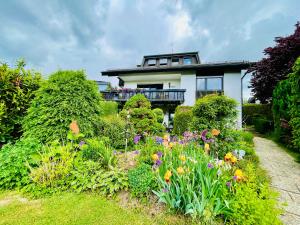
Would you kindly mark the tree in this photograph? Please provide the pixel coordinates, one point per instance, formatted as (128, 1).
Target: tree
(17, 89)
(276, 66)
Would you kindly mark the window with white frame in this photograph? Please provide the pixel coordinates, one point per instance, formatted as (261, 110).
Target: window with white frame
(209, 85)
(151, 62)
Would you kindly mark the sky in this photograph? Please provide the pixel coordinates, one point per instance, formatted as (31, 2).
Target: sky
(96, 35)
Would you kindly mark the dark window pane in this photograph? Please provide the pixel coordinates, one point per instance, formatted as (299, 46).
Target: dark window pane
(175, 61)
(214, 84)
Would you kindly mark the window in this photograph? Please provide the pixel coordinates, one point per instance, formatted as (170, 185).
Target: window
(175, 61)
(187, 60)
(163, 61)
(209, 85)
(151, 62)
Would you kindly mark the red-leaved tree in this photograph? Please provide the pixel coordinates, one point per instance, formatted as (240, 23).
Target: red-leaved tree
(276, 66)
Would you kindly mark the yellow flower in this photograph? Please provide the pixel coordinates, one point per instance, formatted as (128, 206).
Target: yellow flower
(165, 143)
(180, 170)
(170, 145)
(155, 157)
(206, 148)
(182, 158)
(167, 176)
(166, 137)
(233, 159)
(228, 156)
(215, 132)
(238, 175)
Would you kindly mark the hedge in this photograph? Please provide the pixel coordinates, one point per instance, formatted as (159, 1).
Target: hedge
(182, 119)
(109, 108)
(251, 111)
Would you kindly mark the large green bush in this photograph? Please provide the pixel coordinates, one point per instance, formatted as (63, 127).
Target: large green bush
(17, 87)
(15, 161)
(159, 115)
(295, 106)
(182, 119)
(138, 111)
(65, 97)
(214, 111)
(252, 111)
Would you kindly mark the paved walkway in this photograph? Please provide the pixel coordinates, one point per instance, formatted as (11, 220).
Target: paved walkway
(285, 174)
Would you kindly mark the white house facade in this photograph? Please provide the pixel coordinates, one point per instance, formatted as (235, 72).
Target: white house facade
(169, 80)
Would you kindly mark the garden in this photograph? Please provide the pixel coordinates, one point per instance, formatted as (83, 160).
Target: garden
(66, 149)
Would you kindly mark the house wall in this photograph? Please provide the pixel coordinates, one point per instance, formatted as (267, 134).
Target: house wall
(233, 89)
(188, 82)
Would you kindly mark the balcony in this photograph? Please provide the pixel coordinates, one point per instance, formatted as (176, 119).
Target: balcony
(175, 96)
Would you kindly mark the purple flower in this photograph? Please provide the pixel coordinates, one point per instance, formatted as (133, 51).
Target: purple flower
(159, 140)
(210, 165)
(228, 184)
(235, 177)
(115, 152)
(160, 154)
(136, 152)
(81, 143)
(165, 190)
(136, 139)
(203, 137)
(158, 162)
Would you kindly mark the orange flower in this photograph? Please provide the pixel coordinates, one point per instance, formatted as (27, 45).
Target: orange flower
(167, 176)
(180, 170)
(74, 127)
(228, 156)
(215, 132)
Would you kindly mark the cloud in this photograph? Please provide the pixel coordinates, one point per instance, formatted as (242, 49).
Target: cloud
(99, 34)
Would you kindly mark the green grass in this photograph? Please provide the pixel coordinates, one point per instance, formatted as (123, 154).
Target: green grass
(71, 208)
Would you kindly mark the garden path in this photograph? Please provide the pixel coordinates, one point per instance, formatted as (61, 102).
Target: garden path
(285, 175)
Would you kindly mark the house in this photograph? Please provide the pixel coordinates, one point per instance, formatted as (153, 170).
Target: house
(169, 80)
(102, 85)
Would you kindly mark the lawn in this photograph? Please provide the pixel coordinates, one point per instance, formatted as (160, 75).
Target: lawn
(71, 208)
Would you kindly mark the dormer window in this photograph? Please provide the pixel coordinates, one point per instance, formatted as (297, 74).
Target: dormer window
(175, 61)
(163, 61)
(187, 60)
(151, 62)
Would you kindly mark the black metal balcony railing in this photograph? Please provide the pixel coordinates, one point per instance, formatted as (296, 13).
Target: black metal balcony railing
(158, 95)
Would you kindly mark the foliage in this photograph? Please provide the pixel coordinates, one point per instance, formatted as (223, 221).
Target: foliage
(109, 108)
(251, 199)
(141, 180)
(17, 88)
(159, 113)
(99, 151)
(14, 162)
(214, 111)
(147, 149)
(182, 119)
(262, 125)
(295, 106)
(138, 111)
(189, 183)
(56, 164)
(251, 111)
(65, 97)
(276, 66)
(117, 130)
(90, 176)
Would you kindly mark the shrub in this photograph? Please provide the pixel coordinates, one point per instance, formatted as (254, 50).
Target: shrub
(159, 113)
(90, 176)
(263, 125)
(117, 130)
(98, 151)
(251, 199)
(109, 108)
(214, 111)
(17, 87)
(295, 106)
(182, 119)
(251, 111)
(15, 161)
(65, 97)
(138, 111)
(141, 180)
